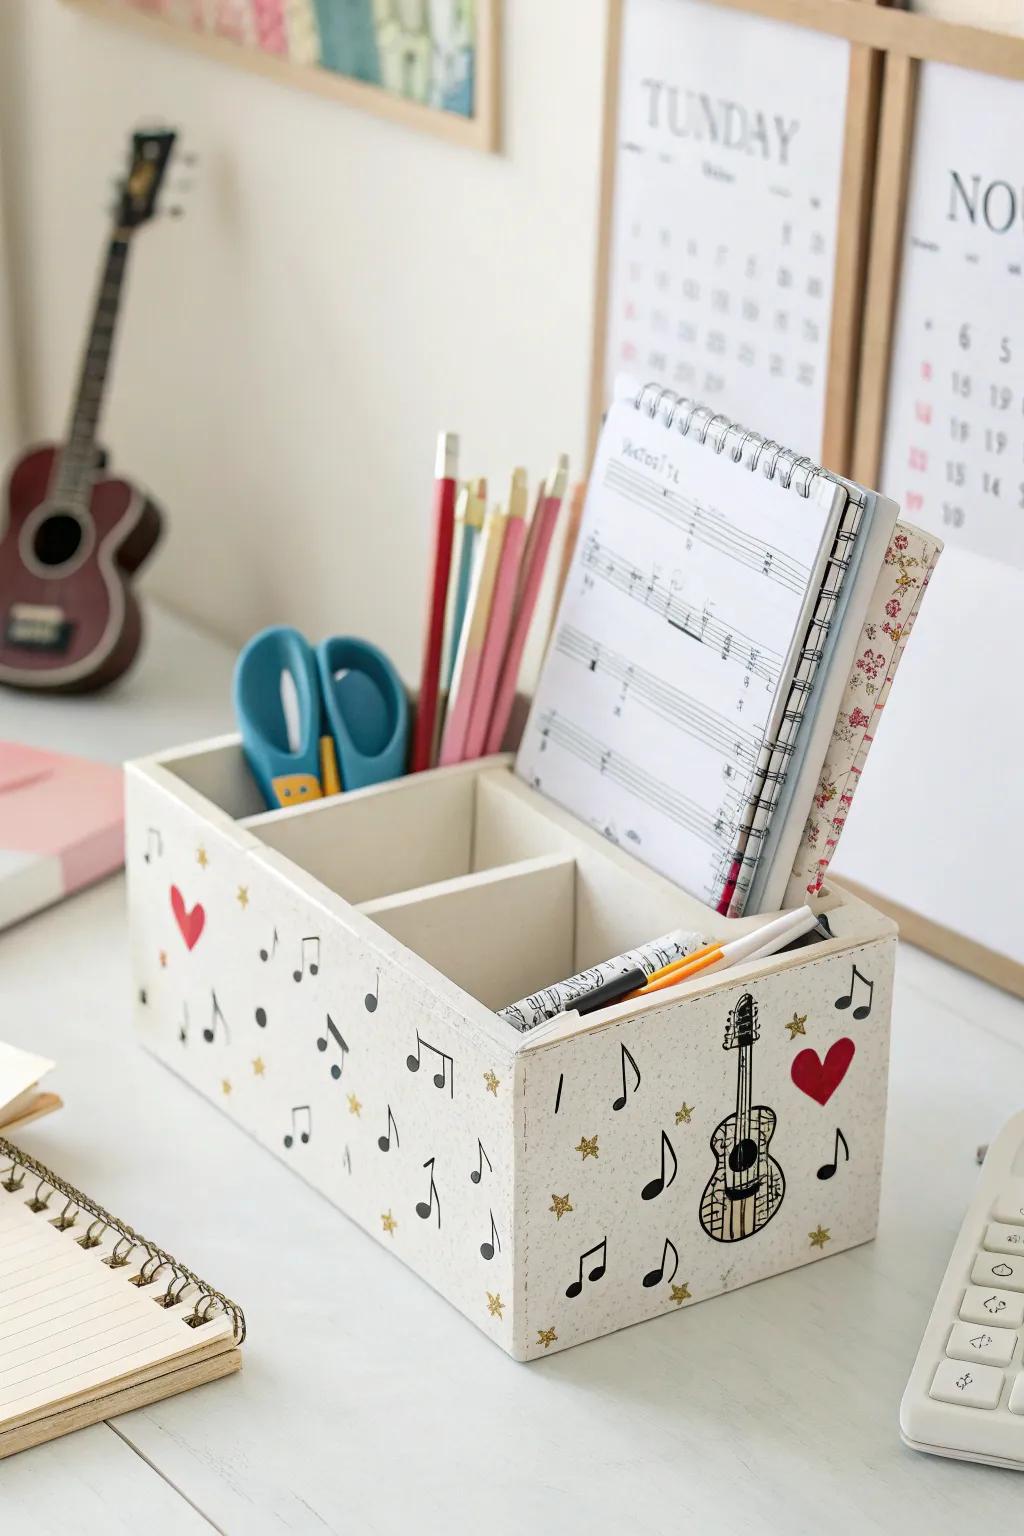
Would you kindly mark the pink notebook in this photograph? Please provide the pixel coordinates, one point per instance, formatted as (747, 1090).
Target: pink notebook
(61, 827)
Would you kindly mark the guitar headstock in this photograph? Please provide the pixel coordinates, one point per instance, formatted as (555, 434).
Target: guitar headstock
(138, 191)
(741, 1028)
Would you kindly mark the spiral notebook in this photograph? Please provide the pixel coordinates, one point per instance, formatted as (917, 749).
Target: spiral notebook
(94, 1319)
(714, 574)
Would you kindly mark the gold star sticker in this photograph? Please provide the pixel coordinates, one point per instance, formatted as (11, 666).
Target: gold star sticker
(243, 896)
(354, 1106)
(546, 1336)
(683, 1115)
(163, 959)
(225, 1086)
(389, 1223)
(493, 1083)
(820, 1236)
(494, 1305)
(560, 1205)
(258, 1066)
(680, 1293)
(587, 1147)
(201, 858)
(796, 1025)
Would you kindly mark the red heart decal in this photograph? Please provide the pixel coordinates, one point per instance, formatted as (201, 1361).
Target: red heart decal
(189, 923)
(820, 1079)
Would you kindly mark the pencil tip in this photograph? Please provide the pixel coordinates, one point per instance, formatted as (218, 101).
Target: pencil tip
(447, 462)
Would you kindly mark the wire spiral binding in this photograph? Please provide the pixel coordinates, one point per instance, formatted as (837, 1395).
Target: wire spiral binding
(207, 1303)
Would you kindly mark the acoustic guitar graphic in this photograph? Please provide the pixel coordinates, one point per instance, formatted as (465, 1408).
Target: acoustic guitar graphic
(747, 1186)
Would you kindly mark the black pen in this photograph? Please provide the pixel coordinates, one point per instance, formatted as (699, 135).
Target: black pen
(612, 991)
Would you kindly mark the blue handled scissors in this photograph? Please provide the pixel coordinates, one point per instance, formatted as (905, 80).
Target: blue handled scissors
(316, 720)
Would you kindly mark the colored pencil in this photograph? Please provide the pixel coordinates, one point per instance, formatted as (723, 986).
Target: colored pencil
(531, 576)
(500, 622)
(445, 473)
(469, 519)
(471, 643)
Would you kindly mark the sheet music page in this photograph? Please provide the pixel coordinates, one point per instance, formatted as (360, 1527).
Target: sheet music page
(728, 168)
(687, 599)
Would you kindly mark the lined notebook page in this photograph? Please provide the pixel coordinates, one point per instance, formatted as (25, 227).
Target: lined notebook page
(70, 1326)
(686, 605)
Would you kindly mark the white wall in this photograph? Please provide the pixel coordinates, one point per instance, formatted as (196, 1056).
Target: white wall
(340, 289)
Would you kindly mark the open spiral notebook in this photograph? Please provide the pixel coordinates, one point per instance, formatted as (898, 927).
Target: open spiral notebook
(94, 1319)
(703, 639)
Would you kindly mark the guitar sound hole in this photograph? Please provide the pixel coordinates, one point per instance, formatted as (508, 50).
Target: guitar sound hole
(743, 1156)
(57, 539)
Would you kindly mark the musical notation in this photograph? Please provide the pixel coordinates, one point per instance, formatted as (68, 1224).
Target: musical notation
(656, 1276)
(654, 1187)
(597, 1273)
(863, 1010)
(333, 1033)
(828, 1170)
(487, 1248)
(301, 1113)
(620, 1103)
(424, 1207)
(154, 841)
(384, 1142)
(478, 1172)
(442, 1079)
(216, 1017)
(268, 954)
(309, 946)
(371, 999)
(558, 1095)
(260, 1015)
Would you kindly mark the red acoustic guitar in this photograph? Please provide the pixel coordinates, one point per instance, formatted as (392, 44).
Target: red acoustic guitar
(74, 535)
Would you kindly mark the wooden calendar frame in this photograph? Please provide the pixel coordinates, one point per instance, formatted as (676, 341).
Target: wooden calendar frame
(481, 131)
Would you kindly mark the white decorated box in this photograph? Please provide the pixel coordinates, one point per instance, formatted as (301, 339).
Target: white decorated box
(328, 975)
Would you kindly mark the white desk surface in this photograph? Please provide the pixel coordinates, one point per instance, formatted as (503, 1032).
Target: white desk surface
(366, 1405)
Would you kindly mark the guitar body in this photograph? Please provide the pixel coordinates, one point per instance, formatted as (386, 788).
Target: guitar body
(68, 619)
(747, 1186)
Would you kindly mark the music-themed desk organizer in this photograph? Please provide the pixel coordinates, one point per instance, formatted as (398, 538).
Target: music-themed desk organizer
(326, 974)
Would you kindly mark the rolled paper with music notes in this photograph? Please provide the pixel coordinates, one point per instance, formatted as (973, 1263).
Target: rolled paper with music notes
(530, 1011)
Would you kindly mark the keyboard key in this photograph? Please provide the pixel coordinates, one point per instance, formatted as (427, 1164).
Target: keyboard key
(992, 1346)
(982, 1304)
(1000, 1238)
(1010, 1202)
(976, 1386)
(993, 1269)
(1016, 1403)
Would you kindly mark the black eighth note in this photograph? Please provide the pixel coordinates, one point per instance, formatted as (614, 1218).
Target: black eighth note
(301, 1111)
(446, 1076)
(371, 999)
(309, 946)
(828, 1170)
(620, 1103)
(384, 1142)
(654, 1187)
(337, 1068)
(424, 1207)
(863, 1010)
(487, 1249)
(216, 1017)
(478, 1172)
(597, 1273)
(656, 1276)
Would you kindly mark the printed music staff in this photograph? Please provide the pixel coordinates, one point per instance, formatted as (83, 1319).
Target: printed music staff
(268, 954)
(656, 1276)
(424, 1207)
(487, 1249)
(654, 1188)
(478, 1172)
(301, 1113)
(216, 1017)
(620, 1103)
(597, 1273)
(337, 1067)
(863, 1010)
(446, 1076)
(371, 999)
(310, 946)
(828, 1170)
(384, 1142)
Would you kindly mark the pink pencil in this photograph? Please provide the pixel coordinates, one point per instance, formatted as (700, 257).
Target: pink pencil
(471, 640)
(500, 622)
(538, 544)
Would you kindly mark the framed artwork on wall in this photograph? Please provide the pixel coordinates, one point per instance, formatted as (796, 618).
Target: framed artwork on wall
(429, 64)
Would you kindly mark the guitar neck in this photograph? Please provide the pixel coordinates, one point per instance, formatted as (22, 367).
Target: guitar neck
(743, 1096)
(78, 457)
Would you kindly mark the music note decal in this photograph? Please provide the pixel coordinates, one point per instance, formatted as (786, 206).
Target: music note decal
(305, 1114)
(597, 1273)
(478, 1172)
(487, 1249)
(828, 1170)
(424, 1207)
(863, 1010)
(371, 999)
(620, 1103)
(348, 1159)
(558, 1095)
(655, 1187)
(216, 1017)
(183, 1026)
(153, 841)
(260, 1016)
(656, 1276)
(384, 1142)
(337, 1067)
(309, 946)
(446, 1076)
(268, 954)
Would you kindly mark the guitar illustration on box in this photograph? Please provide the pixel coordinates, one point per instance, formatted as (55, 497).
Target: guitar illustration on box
(747, 1186)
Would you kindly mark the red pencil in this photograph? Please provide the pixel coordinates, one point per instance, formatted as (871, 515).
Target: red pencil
(445, 475)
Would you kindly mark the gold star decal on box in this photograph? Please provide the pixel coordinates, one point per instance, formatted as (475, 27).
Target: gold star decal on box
(796, 1025)
(820, 1236)
(493, 1083)
(546, 1336)
(389, 1223)
(201, 858)
(354, 1106)
(242, 896)
(683, 1114)
(680, 1293)
(163, 959)
(494, 1305)
(225, 1086)
(587, 1147)
(560, 1205)
(259, 1066)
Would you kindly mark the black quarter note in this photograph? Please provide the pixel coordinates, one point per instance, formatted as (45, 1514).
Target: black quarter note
(268, 954)
(371, 999)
